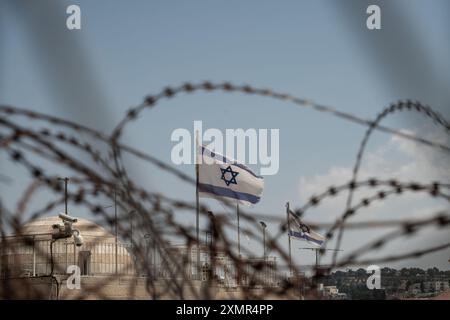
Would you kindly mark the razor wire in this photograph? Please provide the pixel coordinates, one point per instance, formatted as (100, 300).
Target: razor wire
(155, 212)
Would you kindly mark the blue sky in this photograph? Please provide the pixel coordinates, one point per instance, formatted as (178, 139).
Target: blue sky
(320, 50)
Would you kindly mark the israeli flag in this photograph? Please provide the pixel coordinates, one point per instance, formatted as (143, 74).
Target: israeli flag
(299, 230)
(221, 177)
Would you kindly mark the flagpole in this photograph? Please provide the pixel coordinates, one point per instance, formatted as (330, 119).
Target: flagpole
(197, 218)
(239, 243)
(239, 230)
(115, 226)
(289, 237)
(317, 257)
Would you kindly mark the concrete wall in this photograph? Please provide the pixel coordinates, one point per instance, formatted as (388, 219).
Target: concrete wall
(117, 288)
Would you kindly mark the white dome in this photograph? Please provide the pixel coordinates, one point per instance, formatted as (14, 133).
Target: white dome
(99, 254)
(44, 226)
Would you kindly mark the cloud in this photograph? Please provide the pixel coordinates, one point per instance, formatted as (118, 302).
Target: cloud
(405, 161)
(398, 158)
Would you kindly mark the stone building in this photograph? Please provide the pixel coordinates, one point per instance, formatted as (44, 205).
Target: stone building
(32, 253)
(33, 265)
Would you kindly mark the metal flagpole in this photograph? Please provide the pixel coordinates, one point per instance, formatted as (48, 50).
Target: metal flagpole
(65, 192)
(239, 243)
(238, 275)
(115, 225)
(289, 237)
(317, 257)
(197, 205)
(239, 230)
(264, 240)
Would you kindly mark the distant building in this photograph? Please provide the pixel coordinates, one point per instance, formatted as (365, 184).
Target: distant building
(35, 266)
(32, 253)
(436, 286)
(415, 289)
(220, 267)
(442, 286)
(32, 265)
(332, 292)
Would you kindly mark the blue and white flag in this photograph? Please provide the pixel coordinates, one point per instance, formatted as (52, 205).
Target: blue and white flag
(221, 177)
(301, 231)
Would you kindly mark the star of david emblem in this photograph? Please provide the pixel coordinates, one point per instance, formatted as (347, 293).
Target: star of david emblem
(233, 174)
